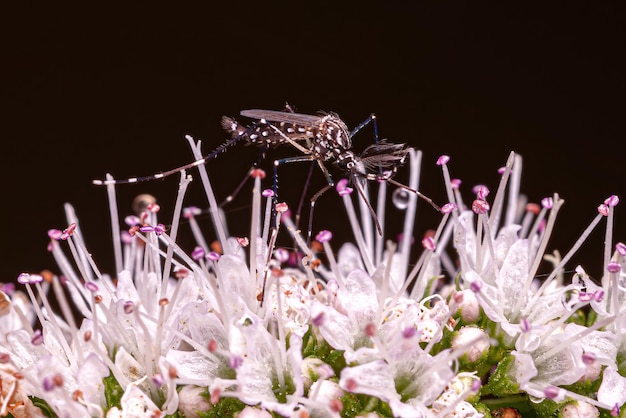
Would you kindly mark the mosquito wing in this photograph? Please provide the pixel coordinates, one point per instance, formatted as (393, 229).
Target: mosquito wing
(282, 117)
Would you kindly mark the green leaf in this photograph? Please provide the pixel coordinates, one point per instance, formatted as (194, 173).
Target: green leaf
(547, 408)
(112, 392)
(226, 407)
(355, 404)
(500, 384)
(43, 406)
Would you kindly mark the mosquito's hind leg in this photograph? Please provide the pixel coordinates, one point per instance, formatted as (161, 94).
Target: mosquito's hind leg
(303, 195)
(313, 200)
(260, 158)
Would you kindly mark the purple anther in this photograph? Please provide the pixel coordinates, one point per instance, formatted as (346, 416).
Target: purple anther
(131, 220)
(613, 267)
(324, 236)
(429, 243)
(198, 253)
(159, 229)
(70, 229)
(443, 159)
(55, 234)
(341, 185)
(281, 207)
(408, 332)
(598, 295)
(281, 255)
(481, 191)
(158, 380)
(7, 288)
(126, 237)
(476, 385)
(213, 256)
(37, 338)
(589, 358)
(547, 202)
(551, 392)
(346, 191)
(476, 286)
(234, 362)
(480, 206)
(318, 321)
(27, 278)
(91, 286)
(611, 201)
(191, 211)
(129, 307)
(47, 384)
(448, 208)
(257, 172)
(153, 207)
(603, 210)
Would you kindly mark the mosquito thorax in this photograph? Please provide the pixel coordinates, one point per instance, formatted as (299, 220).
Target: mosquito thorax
(335, 132)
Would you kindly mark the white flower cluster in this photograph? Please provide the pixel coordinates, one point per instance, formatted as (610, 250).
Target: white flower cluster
(244, 331)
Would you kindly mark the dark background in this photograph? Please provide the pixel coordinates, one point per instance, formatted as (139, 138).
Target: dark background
(90, 91)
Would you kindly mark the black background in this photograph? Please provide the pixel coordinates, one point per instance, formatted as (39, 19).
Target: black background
(90, 91)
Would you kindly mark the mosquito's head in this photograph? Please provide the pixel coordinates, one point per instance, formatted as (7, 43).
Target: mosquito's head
(351, 164)
(381, 161)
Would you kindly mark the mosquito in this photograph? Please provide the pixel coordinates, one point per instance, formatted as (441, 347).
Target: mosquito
(323, 139)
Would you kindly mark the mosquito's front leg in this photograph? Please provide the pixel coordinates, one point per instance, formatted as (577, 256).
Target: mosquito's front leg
(371, 119)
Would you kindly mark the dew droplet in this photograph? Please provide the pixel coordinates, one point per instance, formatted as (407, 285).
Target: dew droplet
(400, 198)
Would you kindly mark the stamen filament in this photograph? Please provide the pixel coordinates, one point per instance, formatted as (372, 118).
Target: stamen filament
(115, 223)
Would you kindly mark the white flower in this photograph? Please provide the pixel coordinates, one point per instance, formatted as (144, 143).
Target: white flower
(371, 333)
(269, 374)
(343, 326)
(15, 311)
(135, 404)
(612, 391)
(504, 291)
(14, 396)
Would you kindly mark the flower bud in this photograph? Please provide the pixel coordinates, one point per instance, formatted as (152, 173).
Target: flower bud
(475, 339)
(469, 306)
(579, 409)
(191, 401)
